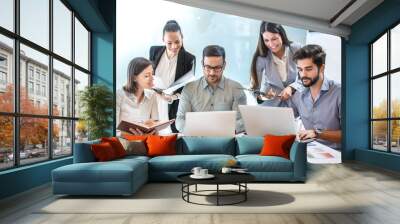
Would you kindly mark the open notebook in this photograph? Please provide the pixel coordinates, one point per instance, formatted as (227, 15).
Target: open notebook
(156, 125)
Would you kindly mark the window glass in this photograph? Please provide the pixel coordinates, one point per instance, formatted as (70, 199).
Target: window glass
(81, 131)
(379, 56)
(6, 74)
(7, 14)
(395, 47)
(34, 80)
(6, 142)
(62, 141)
(34, 144)
(379, 97)
(62, 91)
(62, 29)
(395, 95)
(81, 81)
(35, 21)
(81, 45)
(395, 136)
(379, 135)
(39, 63)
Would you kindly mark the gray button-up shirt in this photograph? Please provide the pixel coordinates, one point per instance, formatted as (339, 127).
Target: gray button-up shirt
(324, 113)
(198, 96)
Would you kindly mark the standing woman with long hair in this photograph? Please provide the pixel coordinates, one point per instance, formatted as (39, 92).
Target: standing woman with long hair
(273, 71)
(136, 101)
(171, 62)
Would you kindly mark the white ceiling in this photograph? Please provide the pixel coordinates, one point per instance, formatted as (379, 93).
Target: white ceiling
(316, 15)
(319, 9)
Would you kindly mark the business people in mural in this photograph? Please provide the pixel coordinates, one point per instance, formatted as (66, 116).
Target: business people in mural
(171, 61)
(287, 75)
(319, 104)
(273, 70)
(136, 102)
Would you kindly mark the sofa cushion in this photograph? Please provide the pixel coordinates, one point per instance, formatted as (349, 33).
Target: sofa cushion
(112, 171)
(134, 147)
(249, 145)
(103, 152)
(206, 145)
(161, 145)
(185, 163)
(83, 152)
(257, 163)
(133, 157)
(277, 145)
(116, 145)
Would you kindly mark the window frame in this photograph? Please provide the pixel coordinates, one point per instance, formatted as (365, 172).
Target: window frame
(388, 74)
(15, 68)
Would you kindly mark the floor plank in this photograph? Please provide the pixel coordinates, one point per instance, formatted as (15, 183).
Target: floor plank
(377, 189)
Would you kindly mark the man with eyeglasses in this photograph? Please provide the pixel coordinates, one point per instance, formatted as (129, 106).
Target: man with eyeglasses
(213, 91)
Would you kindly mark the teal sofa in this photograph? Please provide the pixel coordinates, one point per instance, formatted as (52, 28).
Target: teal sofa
(125, 176)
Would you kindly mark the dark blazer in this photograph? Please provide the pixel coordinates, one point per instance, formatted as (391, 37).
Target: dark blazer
(185, 63)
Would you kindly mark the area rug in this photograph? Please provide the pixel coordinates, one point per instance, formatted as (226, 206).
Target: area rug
(167, 198)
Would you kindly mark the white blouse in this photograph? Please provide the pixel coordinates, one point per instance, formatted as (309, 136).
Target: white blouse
(128, 109)
(281, 65)
(165, 71)
(164, 77)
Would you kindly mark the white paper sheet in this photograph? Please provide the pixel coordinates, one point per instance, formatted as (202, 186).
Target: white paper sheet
(321, 154)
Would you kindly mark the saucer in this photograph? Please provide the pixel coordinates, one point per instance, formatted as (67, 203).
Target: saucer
(208, 176)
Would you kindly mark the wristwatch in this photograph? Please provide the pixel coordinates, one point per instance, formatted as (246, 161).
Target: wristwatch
(318, 132)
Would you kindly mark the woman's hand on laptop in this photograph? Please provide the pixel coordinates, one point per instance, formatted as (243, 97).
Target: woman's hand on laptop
(286, 93)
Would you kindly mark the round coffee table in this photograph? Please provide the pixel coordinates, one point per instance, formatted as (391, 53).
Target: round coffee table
(238, 179)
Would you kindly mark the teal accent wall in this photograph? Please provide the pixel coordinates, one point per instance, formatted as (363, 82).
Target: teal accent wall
(103, 52)
(102, 59)
(24, 178)
(356, 83)
(99, 16)
(103, 63)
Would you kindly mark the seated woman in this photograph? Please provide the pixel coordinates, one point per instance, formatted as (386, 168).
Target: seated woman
(136, 102)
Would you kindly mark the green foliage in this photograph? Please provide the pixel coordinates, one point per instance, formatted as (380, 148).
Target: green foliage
(380, 127)
(97, 103)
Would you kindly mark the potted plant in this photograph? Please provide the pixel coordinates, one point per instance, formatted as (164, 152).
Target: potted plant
(96, 105)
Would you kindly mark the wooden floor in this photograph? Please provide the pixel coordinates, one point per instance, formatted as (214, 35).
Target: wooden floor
(377, 188)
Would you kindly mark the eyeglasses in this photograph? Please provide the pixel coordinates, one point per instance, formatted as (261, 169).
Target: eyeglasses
(218, 68)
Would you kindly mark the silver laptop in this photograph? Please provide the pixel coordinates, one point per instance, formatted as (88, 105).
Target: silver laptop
(261, 120)
(213, 123)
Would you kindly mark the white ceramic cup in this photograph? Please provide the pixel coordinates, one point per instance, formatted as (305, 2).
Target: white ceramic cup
(196, 171)
(203, 172)
(226, 170)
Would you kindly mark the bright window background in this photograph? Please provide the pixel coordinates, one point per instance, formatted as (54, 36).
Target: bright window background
(35, 21)
(386, 79)
(200, 27)
(35, 142)
(7, 14)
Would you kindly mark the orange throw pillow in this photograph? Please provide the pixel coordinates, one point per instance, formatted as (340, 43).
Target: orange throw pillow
(277, 145)
(103, 152)
(134, 137)
(161, 145)
(116, 145)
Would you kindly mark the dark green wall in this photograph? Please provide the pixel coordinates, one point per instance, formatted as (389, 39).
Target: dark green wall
(356, 83)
